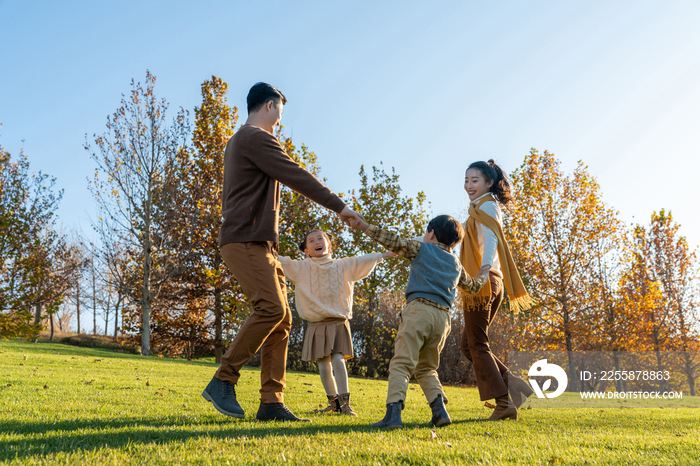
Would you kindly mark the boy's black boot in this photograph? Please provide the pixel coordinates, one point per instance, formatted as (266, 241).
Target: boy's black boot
(440, 415)
(277, 412)
(223, 396)
(392, 418)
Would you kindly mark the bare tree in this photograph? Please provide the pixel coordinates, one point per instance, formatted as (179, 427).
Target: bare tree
(136, 188)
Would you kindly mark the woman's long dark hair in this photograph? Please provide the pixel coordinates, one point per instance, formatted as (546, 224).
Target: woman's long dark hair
(501, 183)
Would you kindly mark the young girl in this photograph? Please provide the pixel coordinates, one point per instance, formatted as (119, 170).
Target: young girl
(485, 252)
(323, 296)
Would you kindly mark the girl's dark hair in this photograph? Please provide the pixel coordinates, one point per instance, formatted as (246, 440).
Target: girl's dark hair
(302, 245)
(501, 183)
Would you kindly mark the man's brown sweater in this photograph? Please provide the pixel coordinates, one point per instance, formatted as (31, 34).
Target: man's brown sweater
(254, 166)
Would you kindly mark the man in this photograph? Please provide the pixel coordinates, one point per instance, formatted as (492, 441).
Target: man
(254, 166)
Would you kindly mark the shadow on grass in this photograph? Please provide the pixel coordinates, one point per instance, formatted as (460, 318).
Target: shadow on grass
(148, 431)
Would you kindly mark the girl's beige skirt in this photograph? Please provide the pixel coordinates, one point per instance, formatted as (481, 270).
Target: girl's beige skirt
(326, 337)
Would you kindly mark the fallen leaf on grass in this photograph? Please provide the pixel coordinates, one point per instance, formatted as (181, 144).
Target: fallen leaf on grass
(433, 435)
(556, 459)
(529, 407)
(148, 384)
(97, 360)
(45, 387)
(487, 434)
(21, 364)
(448, 444)
(309, 391)
(489, 405)
(309, 384)
(9, 384)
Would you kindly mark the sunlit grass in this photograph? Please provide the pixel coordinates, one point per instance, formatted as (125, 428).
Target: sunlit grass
(67, 405)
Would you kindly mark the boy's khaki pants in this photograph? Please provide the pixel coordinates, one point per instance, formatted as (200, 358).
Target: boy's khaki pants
(421, 337)
(260, 274)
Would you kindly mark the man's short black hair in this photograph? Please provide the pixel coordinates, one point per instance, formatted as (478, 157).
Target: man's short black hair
(447, 230)
(262, 93)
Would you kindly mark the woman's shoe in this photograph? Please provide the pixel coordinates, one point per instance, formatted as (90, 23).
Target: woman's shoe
(505, 409)
(518, 388)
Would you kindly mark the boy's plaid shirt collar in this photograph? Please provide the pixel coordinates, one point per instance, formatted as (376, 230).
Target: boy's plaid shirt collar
(443, 246)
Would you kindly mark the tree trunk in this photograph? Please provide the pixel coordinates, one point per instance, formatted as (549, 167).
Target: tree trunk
(146, 297)
(618, 383)
(689, 373)
(660, 367)
(51, 320)
(116, 314)
(106, 310)
(37, 314)
(218, 343)
(94, 301)
(573, 385)
(77, 303)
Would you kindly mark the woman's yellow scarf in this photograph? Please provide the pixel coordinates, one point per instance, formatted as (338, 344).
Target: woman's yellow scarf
(470, 257)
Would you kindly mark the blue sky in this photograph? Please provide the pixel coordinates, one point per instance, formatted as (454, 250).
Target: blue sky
(426, 87)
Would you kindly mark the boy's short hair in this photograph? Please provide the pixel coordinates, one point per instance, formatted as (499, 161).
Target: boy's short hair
(447, 230)
(302, 245)
(260, 94)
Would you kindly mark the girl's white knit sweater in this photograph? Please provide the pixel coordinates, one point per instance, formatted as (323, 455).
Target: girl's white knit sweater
(324, 285)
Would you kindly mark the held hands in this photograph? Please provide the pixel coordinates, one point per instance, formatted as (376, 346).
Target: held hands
(347, 214)
(358, 223)
(484, 271)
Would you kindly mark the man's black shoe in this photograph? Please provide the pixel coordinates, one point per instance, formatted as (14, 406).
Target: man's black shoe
(223, 396)
(276, 412)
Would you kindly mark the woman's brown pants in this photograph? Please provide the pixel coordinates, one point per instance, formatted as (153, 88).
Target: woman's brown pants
(475, 344)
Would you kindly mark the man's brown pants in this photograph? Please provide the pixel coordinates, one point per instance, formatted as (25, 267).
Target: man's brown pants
(261, 277)
(475, 344)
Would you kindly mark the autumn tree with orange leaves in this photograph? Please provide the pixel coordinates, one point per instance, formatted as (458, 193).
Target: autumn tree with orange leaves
(663, 286)
(562, 234)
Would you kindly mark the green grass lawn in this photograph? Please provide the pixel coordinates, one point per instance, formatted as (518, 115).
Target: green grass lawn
(67, 405)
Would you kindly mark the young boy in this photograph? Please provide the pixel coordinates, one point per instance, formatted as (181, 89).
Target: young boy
(434, 276)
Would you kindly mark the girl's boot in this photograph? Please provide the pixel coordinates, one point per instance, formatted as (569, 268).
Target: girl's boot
(333, 405)
(505, 409)
(344, 399)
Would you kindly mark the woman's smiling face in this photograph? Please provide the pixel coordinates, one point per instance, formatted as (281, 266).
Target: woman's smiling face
(475, 184)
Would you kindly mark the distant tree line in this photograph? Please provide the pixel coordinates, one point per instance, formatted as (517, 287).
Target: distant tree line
(154, 276)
